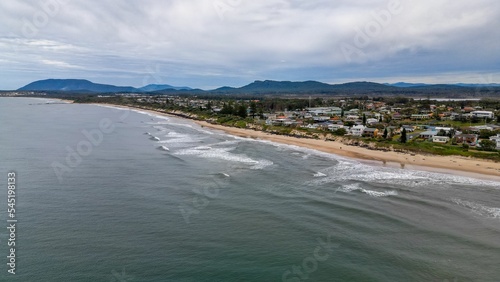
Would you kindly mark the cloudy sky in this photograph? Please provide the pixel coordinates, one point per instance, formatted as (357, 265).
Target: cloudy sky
(212, 43)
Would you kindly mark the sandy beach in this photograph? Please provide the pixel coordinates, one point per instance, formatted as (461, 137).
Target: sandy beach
(457, 165)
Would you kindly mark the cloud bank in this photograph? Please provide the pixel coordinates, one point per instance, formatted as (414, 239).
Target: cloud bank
(211, 43)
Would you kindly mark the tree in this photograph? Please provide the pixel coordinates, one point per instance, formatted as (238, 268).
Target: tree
(385, 133)
(340, 132)
(488, 145)
(253, 109)
(380, 119)
(242, 111)
(441, 132)
(364, 119)
(227, 109)
(465, 147)
(342, 113)
(403, 136)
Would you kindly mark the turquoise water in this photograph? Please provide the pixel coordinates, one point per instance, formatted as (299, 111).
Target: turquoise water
(105, 194)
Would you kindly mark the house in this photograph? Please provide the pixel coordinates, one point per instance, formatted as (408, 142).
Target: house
(440, 139)
(321, 118)
(372, 121)
(357, 130)
(394, 129)
(483, 114)
(334, 127)
(409, 128)
(427, 134)
(397, 116)
(420, 117)
(470, 139)
(370, 132)
(497, 140)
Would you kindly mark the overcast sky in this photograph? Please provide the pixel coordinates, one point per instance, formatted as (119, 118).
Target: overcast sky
(213, 43)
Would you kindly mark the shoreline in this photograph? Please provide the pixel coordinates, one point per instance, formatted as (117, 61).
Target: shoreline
(456, 165)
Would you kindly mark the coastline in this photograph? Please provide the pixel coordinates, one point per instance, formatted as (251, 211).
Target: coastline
(457, 165)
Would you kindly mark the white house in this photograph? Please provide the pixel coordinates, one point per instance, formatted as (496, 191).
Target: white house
(483, 114)
(440, 139)
(497, 140)
(334, 127)
(428, 134)
(357, 130)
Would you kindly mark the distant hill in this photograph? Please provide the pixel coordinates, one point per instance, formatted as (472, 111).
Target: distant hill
(278, 88)
(159, 87)
(422, 85)
(73, 85)
(82, 85)
(312, 87)
(406, 85)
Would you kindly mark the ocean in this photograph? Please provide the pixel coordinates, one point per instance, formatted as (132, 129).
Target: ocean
(107, 194)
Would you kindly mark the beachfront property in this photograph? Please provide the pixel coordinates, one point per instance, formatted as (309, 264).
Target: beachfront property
(496, 139)
(440, 139)
(334, 127)
(428, 135)
(370, 132)
(357, 130)
(469, 139)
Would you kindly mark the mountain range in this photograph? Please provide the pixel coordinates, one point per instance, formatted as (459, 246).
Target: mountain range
(265, 87)
(82, 85)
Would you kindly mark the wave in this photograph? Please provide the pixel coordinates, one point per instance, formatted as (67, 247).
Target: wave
(113, 107)
(319, 174)
(356, 187)
(226, 143)
(163, 148)
(181, 124)
(346, 170)
(480, 209)
(261, 164)
(154, 138)
(224, 154)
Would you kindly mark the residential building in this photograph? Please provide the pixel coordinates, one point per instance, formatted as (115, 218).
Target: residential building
(370, 132)
(483, 114)
(420, 116)
(357, 130)
(469, 139)
(409, 128)
(497, 140)
(428, 134)
(440, 139)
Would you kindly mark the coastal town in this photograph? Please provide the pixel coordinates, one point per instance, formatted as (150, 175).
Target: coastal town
(459, 125)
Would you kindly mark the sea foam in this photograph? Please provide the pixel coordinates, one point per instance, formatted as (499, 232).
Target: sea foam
(477, 208)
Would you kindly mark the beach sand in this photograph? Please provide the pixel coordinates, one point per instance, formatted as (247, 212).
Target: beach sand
(477, 168)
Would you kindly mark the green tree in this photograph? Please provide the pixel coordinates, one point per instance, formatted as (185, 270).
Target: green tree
(364, 119)
(253, 109)
(340, 132)
(242, 111)
(488, 145)
(403, 136)
(227, 109)
(385, 133)
(442, 132)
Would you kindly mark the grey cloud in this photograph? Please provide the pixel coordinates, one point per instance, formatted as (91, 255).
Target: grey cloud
(209, 43)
